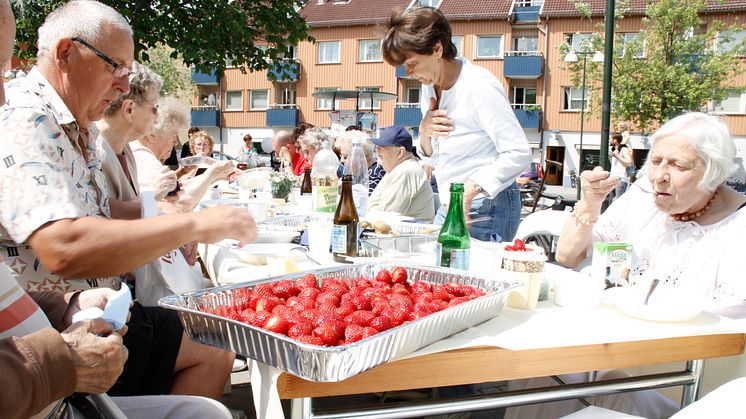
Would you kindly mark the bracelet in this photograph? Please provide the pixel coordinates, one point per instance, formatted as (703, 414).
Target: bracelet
(583, 221)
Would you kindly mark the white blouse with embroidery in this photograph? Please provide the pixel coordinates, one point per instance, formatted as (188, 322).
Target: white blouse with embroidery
(706, 260)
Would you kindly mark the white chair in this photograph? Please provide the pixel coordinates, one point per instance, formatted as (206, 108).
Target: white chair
(543, 228)
(724, 402)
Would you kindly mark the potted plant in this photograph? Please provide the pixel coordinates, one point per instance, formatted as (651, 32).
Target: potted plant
(282, 183)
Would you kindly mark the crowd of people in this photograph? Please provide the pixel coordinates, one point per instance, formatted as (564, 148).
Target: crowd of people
(86, 144)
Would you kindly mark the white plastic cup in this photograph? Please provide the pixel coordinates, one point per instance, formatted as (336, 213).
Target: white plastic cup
(528, 269)
(319, 237)
(258, 209)
(486, 258)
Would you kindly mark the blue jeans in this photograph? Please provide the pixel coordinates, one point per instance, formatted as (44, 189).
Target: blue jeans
(504, 212)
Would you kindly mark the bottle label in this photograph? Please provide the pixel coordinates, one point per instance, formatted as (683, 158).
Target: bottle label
(452, 258)
(325, 198)
(339, 238)
(360, 197)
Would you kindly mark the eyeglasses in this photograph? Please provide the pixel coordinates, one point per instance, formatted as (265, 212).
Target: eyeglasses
(154, 109)
(120, 70)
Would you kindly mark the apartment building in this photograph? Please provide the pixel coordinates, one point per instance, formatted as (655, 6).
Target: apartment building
(517, 40)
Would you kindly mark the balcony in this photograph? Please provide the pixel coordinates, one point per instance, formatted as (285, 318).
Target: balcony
(205, 116)
(284, 71)
(401, 73)
(529, 116)
(523, 64)
(204, 78)
(528, 14)
(407, 114)
(282, 116)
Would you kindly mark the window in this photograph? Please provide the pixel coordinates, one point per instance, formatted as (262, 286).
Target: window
(229, 62)
(285, 96)
(364, 102)
(326, 104)
(630, 40)
(580, 41)
(329, 52)
(370, 50)
(521, 96)
(429, 3)
(258, 100)
(458, 40)
(234, 101)
(526, 44)
(489, 46)
(573, 99)
(735, 39)
(413, 95)
(733, 103)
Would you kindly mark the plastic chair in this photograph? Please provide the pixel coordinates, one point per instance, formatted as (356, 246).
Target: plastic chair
(543, 228)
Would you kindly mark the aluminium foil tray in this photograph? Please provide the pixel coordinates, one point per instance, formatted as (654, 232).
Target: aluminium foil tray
(332, 364)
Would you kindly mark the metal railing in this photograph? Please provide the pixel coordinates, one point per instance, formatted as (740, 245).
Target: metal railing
(523, 53)
(407, 105)
(205, 108)
(283, 106)
(530, 106)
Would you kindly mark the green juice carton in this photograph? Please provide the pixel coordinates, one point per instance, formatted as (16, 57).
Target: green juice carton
(611, 263)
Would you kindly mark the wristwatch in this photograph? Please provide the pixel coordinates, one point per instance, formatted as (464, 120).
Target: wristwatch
(479, 189)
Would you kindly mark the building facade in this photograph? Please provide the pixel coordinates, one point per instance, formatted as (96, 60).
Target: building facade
(517, 40)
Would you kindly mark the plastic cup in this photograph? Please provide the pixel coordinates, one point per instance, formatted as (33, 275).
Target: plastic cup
(258, 209)
(319, 237)
(528, 269)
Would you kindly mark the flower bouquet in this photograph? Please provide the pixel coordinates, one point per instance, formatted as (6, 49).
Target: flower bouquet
(282, 183)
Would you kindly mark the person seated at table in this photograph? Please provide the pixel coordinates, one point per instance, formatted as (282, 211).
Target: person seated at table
(310, 142)
(684, 225)
(284, 140)
(405, 188)
(201, 144)
(681, 219)
(173, 118)
(344, 144)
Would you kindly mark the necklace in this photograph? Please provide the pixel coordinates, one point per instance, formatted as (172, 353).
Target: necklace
(689, 216)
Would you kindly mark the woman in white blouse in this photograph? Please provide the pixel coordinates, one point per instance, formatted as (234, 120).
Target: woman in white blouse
(685, 225)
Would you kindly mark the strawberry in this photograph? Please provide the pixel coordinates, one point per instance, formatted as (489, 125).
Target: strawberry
(310, 339)
(257, 319)
(241, 298)
(362, 282)
(379, 307)
(441, 293)
(328, 298)
(420, 287)
(263, 290)
(281, 310)
(519, 245)
(277, 324)
(327, 333)
(326, 283)
(308, 281)
(360, 317)
(345, 310)
(266, 304)
(424, 297)
(457, 301)
(354, 333)
(300, 304)
(399, 276)
(311, 293)
(384, 276)
(284, 288)
(303, 327)
(337, 289)
(381, 323)
(326, 307)
(381, 286)
(360, 302)
(326, 317)
(396, 315)
(440, 304)
(310, 314)
(455, 288)
(368, 332)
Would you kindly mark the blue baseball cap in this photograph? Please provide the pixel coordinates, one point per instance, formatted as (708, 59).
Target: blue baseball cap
(394, 136)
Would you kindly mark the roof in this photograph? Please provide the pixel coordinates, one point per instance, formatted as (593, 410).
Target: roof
(369, 12)
(635, 7)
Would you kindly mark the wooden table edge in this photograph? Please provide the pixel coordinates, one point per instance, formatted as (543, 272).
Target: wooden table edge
(488, 363)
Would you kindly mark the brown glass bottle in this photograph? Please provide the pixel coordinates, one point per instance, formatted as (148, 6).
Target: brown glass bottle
(344, 231)
(306, 186)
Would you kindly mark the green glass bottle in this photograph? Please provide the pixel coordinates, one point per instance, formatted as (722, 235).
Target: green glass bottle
(454, 242)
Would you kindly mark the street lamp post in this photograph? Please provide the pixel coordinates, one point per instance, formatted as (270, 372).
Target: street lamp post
(572, 57)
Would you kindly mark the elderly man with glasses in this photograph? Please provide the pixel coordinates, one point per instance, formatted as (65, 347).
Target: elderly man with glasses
(55, 219)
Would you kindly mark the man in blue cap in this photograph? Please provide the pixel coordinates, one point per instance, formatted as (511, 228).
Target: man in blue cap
(405, 188)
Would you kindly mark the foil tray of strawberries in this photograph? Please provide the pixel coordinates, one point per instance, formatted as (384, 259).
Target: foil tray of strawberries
(330, 324)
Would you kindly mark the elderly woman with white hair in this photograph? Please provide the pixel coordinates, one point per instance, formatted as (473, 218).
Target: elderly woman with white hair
(681, 219)
(344, 144)
(310, 142)
(152, 149)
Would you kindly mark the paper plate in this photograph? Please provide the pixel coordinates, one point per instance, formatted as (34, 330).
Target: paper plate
(201, 161)
(665, 305)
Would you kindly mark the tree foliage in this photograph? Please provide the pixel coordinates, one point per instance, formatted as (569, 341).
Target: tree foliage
(177, 77)
(677, 63)
(203, 33)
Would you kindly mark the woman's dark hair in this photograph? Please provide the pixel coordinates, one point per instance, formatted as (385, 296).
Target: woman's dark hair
(192, 130)
(416, 30)
(300, 129)
(247, 137)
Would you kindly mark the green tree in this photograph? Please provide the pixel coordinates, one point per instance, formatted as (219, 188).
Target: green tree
(203, 33)
(177, 77)
(677, 63)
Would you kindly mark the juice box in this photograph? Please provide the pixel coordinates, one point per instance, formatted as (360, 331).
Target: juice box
(611, 263)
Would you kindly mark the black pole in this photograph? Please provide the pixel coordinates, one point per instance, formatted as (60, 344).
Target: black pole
(606, 101)
(582, 121)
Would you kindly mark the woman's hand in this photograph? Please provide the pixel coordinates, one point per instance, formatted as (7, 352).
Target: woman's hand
(436, 122)
(220, 170)
(596, 185)
(164, 183)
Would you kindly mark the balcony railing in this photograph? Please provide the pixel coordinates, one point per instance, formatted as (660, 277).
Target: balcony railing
(285, 70)
(282, 115)
(199, 77)
(205, 116)
(523, 64)
(526, 14)
(528, 115)
(407, 114)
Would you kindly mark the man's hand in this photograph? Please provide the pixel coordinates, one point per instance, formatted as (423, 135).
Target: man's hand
(225, 222)
(96, 297)
(99, 360)
(189, 251)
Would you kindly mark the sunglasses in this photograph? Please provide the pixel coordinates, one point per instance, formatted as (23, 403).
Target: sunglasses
(120, 70)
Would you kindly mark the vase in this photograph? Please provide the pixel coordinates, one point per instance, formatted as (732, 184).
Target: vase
(278, 192)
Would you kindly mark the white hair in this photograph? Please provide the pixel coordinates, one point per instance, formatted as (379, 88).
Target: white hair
(711, 141)
(79, 18)
(368, 147)
(313, 137)
(172, 114)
